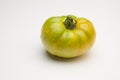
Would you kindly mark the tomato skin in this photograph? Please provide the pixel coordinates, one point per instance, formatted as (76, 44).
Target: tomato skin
(67, 43)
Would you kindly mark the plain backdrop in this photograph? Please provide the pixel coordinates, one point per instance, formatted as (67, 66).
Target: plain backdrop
(23, 57)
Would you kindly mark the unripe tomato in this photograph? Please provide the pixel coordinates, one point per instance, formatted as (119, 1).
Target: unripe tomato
(67, 36)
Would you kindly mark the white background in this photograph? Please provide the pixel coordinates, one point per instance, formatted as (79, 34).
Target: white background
(23, 57)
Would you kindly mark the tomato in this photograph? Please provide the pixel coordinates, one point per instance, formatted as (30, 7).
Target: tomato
(67, 36)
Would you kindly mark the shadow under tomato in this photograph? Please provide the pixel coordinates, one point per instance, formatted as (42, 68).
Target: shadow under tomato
(60, 59)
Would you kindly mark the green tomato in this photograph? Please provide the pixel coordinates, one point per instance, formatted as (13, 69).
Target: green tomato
(67, 36)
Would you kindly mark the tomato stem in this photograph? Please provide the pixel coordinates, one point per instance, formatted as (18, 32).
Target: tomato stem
(70, 23)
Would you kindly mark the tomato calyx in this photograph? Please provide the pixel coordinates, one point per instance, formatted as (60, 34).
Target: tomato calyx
(70, 23)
